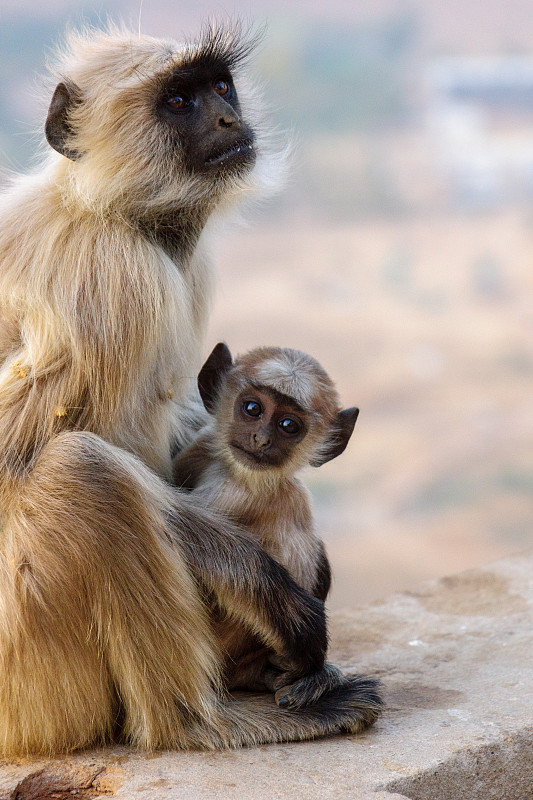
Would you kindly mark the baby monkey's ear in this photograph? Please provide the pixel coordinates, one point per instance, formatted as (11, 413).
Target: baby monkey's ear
(339, 436)
(212, 374)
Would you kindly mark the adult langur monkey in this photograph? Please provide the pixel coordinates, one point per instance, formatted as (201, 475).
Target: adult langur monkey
(104, 284)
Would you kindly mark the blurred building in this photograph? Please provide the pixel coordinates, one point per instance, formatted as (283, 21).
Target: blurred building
(480, 121)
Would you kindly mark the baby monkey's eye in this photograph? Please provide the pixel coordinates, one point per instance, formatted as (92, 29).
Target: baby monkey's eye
(252, 409)
(288, 425)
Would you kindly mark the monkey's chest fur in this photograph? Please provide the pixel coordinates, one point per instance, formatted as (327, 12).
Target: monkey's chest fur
(112, 348)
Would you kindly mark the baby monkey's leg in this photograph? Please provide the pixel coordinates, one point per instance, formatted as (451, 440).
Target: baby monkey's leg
(254, 672)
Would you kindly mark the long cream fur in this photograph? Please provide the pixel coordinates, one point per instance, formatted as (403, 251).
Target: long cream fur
(102, 627)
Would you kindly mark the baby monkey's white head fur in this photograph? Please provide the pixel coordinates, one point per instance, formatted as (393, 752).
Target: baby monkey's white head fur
(275, 411)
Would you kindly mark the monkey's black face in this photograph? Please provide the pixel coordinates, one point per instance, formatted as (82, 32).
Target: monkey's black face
(200, 107)
(266, 428)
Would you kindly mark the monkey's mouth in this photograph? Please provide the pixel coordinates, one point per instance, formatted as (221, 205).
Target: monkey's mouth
(241, 152)
(252, 458)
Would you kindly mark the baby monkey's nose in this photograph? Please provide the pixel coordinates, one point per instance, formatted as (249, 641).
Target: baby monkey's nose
(262, 439)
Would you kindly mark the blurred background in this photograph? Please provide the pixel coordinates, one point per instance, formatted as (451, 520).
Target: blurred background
(400, 254)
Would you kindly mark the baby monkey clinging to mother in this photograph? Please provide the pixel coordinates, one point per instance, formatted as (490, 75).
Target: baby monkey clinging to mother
(274, 411)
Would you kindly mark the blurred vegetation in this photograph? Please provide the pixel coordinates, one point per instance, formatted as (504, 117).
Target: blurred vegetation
(334, 77)
(336, 85)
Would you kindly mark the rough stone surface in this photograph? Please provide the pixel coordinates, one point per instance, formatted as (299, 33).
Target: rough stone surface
(457, 662)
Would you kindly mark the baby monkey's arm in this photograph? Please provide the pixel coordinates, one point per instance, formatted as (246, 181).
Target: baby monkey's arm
(190, 463)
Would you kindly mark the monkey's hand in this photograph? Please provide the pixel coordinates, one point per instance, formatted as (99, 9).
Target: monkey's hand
(306, 691)
(290, 693)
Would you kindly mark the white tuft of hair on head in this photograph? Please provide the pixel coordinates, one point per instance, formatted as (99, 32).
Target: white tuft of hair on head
(290, 375)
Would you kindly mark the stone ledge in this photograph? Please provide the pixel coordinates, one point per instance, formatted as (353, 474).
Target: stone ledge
(457, 661)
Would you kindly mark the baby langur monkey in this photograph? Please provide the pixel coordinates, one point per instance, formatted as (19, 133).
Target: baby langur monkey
(273, 412)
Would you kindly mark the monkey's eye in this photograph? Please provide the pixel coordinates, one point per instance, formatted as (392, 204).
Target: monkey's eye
(179, 102)
(289, 426)
(252, 409)
(221, 87)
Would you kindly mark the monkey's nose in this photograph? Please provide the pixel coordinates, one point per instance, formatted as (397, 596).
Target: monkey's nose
(228, 116)
(261, 440)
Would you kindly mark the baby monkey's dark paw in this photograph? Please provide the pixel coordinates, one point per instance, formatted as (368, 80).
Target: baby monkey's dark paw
(307, 690)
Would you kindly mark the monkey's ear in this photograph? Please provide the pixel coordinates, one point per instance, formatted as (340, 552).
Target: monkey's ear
(341, 430)
(57, 127)
(212, 374)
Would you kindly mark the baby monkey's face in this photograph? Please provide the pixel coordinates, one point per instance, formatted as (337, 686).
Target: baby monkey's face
(266, 427)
